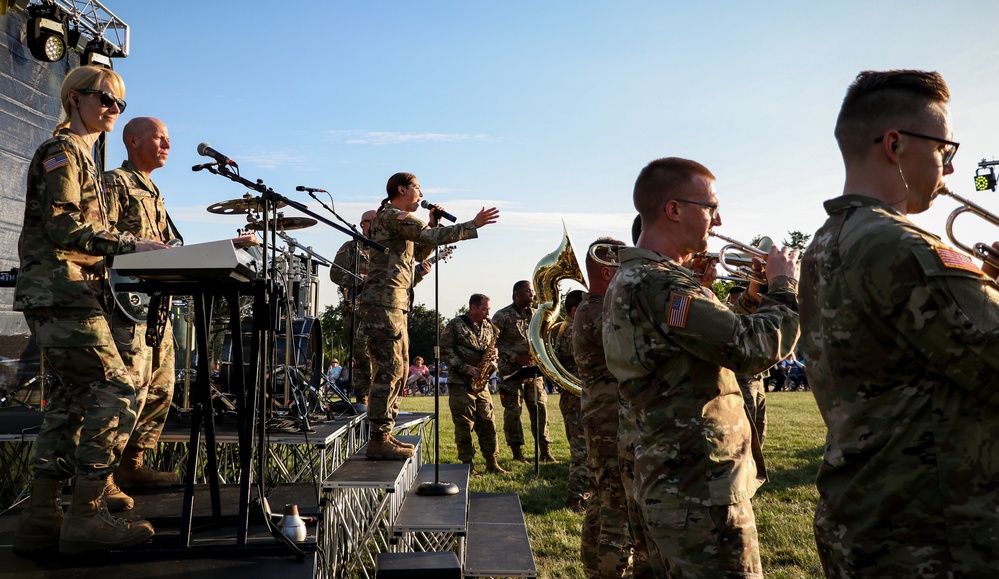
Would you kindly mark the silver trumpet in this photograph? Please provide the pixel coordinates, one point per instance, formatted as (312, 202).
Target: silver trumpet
(982, 251)
(737, 258)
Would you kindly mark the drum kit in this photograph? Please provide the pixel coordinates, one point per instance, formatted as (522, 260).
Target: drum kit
(295, 386)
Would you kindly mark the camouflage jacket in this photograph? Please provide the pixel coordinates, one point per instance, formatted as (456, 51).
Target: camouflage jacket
(901, 335)
(135, 204)
(391, 275)
(66, 233)
(673, 348)
(599, 396)
(463, 343)
(563, 346)
(349, 253)
(512, 342)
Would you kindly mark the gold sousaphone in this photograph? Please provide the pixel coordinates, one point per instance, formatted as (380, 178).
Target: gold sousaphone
(561, 264)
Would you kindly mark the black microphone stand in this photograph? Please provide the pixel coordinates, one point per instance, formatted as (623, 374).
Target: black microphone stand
(437, 488)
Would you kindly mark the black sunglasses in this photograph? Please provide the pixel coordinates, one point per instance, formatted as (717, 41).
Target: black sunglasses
(107, 99)
(948, 152)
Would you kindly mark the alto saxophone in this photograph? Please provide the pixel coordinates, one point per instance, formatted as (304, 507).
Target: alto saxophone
(487, 365)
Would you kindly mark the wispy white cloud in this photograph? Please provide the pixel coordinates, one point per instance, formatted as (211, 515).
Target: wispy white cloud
(284, 158)
(358, 137)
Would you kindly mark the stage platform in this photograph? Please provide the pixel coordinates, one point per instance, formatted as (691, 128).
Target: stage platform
(212, 554)
(291, 456)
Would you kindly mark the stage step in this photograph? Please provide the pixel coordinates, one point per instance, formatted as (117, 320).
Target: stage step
(435, 514)
(364, 498)
(497, 544)
(429, 565)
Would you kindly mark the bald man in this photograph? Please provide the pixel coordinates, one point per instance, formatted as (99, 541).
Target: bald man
(136, 206)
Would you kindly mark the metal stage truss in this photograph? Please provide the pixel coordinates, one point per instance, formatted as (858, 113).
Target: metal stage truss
(362, 500)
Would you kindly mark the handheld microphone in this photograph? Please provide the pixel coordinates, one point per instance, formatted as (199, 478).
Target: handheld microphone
(309, 189)
(201, 167)
(206, 150)
(444, 214)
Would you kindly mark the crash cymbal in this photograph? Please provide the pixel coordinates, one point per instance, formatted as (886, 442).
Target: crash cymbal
(285, 224)
(247, 204)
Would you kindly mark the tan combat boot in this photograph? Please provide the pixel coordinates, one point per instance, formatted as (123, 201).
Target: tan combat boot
(133, 473)
(114, 498)
(518, 455)
(400, 443)
(89, 527)
(471, 469)
(493, 467)
(41, 520)
(546, 453)
(381, 448)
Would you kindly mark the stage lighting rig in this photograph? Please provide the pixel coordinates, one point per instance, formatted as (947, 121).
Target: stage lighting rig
(98, 52)
(985, 176)
(46, 32)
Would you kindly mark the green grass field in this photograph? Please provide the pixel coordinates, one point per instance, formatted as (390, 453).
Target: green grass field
(783, 507)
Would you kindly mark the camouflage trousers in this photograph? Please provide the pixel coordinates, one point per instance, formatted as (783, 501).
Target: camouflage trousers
(577, 485)
(153, 374)
(754, 393)
(644, 554)
(91, 406)
(514, 398)
(606, 541)
(387, 345)
(471, 411)
(696, 542)
(360, 363)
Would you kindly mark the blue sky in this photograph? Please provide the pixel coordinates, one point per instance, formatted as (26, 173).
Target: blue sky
(547, 110)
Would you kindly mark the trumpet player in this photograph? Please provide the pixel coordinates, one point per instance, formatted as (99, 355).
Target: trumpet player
(468, 345)
(673, 347)
(901, 333)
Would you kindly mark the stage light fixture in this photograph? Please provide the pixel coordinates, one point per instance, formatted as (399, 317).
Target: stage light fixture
(46, 32)
(98, 53)
(985, 179)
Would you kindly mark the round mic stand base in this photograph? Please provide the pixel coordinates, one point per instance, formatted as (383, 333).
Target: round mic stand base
(437, 489)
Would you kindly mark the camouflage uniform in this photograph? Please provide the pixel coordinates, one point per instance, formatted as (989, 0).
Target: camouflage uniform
(577, 485)
(754, 392)
(670, 344)
(385, 301)
(136, 206)
(350, 255)
(62, 290)
(901, 336)
(607, 535)
(463, 344)
(512, 342)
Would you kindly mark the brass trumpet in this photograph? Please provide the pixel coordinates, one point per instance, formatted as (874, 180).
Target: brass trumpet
(982, 251)
(741, 264)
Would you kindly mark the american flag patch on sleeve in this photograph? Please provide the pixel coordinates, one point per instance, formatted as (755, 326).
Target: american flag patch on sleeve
(55, 161)
(956, 260)
(679, 306)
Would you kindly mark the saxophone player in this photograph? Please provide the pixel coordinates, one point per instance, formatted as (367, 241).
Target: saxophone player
(468, 345)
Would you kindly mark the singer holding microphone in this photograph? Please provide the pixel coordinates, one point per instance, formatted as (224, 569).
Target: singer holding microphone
(385, 299)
